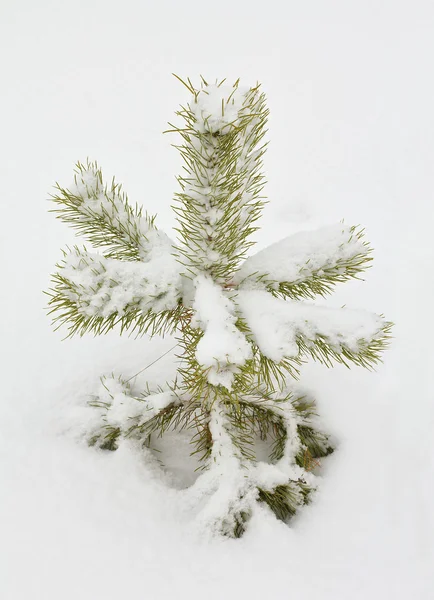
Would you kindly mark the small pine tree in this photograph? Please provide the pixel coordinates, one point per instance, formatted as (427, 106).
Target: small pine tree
(241, 325)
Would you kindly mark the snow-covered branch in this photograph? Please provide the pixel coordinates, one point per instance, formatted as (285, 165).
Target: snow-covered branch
(95, 293)
(223, 348)
(220, 198)
(102, 214)
(124, 414)
(287, 328)
(228, 491)
(308, 263)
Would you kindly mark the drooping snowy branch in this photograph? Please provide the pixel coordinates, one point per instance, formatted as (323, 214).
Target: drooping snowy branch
(308, 263)
(94, 293)
(225, 490)
(124, 414)
(287, 328)
(103, 215)
(228, 491)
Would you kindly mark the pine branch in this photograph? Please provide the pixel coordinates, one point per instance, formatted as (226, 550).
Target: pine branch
(102, 214)
(229, 511)
(220, 199)
(365, 353)
(307, 264)
(275, 373)
(139, 416)
(92, 293)
(290, 330)
(284, 500)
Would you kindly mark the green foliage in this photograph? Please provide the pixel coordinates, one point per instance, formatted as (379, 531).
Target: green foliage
(321, 281)
(228, 166)
(66, 304)
(284, 500)
(111, 222)
(367, 355)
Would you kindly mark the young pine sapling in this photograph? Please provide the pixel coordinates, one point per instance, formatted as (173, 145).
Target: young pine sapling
(240, 321)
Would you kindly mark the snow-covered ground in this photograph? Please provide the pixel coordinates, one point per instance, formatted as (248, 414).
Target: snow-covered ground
(350, 90)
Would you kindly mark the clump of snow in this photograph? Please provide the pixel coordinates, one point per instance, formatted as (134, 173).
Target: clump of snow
(276, 324)
(104, 286)
(300, 256)
(223, 348)
(156, 244)
(119, 405)
(217, 108)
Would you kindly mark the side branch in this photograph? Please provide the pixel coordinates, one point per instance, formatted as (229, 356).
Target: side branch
(308, 263)
(94, 293)
(286, 329)
(103, 215)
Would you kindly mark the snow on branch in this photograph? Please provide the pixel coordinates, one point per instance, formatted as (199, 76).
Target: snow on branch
(307, 263)
(95, 293)
(228, 490)
(223, 348)
(122, 413)
(284, 329)
(220, 196)
(220, 108)
(103, 215)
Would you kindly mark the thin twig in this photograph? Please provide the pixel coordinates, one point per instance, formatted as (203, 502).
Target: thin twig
(152, 363)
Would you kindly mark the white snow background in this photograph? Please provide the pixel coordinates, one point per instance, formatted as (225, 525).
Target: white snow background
(351, 93)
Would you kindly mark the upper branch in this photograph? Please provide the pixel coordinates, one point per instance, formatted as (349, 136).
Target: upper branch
(307, 263)
(220, 199)
(103, 215)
